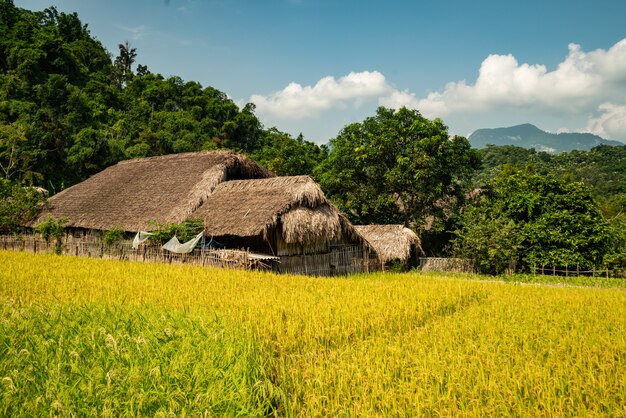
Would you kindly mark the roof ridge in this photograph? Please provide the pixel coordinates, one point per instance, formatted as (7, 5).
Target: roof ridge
(177, 156)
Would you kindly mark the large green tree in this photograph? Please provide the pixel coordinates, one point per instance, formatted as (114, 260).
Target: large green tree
(397, 167)
(534, 220)
(287, 156)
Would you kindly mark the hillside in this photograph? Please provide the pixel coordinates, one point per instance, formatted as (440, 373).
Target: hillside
(68, 110)
(603, 168)
(529, 136)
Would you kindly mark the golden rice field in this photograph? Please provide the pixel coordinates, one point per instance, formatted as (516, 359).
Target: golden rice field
(93, 337)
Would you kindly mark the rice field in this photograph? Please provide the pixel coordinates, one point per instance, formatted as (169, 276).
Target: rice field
(94, 337)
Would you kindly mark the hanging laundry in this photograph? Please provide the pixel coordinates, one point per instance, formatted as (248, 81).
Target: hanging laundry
(140, 238)
(175, 246)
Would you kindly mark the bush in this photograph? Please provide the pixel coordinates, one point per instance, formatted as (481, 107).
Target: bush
(18, 206)
(113, 236)
(52, 229)
(185, 231)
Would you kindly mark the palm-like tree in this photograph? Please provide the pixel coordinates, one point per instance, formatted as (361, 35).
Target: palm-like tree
(124, 62)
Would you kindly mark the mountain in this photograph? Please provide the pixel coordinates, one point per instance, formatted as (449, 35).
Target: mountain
(529, 136)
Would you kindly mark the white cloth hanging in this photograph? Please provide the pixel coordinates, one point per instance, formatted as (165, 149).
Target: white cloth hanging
(175, 246)
(140, 238)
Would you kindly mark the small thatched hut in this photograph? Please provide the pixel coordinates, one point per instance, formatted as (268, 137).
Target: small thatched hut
(164, 189)
(392, 242)
(288, 217)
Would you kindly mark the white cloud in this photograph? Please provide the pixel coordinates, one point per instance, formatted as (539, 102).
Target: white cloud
(504, 92)
(296, 101)
(396, 99)
(580, 82)
(137, 32)
(611, 123)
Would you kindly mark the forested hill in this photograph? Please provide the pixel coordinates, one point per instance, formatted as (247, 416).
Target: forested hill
(529, 136)
(68, 108)
(603, 168)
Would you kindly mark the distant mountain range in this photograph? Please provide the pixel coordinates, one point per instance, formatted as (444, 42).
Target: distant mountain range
(529, 136)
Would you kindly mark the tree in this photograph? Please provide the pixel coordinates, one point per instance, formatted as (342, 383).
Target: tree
(489, 238)
(18, 206)
(16, 159)
(286, 156)
(396, 167)
(535, 220)
(124, 62)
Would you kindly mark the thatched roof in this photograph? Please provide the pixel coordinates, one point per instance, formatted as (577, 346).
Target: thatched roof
(249, 208)
(164, 189)
(391, 242)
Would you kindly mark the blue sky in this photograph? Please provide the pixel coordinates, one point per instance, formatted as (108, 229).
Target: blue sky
(313, 66)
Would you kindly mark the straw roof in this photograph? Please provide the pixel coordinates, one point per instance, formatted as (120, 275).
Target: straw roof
(165, 189)
(249, 208)
(391, 242)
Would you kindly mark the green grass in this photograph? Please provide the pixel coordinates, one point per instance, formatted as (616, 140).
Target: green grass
(100, 360)
(578, 281)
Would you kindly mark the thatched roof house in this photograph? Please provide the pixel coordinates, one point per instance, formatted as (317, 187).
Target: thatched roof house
(166, 189)
(242, 204)
(391, 242)
(285, 215)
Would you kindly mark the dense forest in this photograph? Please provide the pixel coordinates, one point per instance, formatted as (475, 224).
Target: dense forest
(69, 108)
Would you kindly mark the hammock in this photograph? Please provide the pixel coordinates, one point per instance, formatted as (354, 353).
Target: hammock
(175, 246)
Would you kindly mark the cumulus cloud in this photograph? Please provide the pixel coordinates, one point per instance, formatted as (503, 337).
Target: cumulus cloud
(581, 81)
(296, 101)
(611, 123)
(584, 83)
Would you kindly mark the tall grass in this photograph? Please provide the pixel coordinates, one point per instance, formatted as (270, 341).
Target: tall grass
(99, 360)
(261, 344)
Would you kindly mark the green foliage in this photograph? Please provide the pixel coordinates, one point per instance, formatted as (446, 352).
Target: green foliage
(67, 111)
(614, 210)
(113, 236)
(18, 206)
(534, 219)
(94, 359)
(16, 154)
(603, 168)
(286, 156)
(397, 167)
(489, 238)
(184, 231)
(52, 229)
